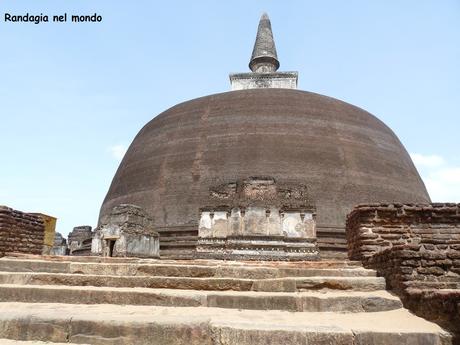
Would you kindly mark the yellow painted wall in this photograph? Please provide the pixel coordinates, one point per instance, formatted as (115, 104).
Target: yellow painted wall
(50, 230)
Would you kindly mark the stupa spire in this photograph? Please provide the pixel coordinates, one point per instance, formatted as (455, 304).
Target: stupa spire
(264, 64)
(264, 58)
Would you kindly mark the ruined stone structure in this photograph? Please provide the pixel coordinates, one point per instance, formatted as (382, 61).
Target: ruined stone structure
(416, 247)
(258, 218)
(20, 232)
(80, 240)
(59, 245)
(344, 155)
(128, 231)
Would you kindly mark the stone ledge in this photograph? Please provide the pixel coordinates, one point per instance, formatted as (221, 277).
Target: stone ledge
(107, 324)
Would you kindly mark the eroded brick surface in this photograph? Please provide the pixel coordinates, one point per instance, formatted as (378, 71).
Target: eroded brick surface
(20, 232)
(417, 249)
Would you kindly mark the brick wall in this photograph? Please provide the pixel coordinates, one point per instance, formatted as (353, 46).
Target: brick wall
(374, 227)
(417, 249)
(20, 232)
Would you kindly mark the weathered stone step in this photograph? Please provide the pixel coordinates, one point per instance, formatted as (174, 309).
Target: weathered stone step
(336, 238)
(184, 270)
(290, 284)
(180, 254)
(178, 244)
(181, 238)
(325, 231)
(110, 324)
(333, 254)
(193, 229)
(32, 342)
(341, 263)
(332, 301)
(333, 245)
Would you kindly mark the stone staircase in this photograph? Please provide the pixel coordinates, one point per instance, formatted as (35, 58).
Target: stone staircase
(92, 300)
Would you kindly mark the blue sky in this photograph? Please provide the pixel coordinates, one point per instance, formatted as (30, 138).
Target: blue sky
(73, 96)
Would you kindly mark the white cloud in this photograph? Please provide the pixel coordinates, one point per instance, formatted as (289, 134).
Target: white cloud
(442, 179)
(118, 151)
(427, 160)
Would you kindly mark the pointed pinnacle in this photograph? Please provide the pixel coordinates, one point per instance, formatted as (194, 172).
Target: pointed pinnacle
(264, 57)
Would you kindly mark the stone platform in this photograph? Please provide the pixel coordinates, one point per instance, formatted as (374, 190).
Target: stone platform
(259, 248)
(91, 300)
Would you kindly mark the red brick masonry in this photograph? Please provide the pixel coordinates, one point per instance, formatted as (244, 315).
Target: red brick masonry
(417, 249)
(20, 232)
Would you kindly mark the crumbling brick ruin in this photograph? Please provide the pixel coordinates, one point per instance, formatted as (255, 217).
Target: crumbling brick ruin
(417, 249)
(20, 232)
(59, 245)
(127, 231)
(80, 240)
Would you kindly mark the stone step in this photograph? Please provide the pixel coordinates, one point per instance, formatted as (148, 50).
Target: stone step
(193, 229)
(180, 254)
(182, 243)
(181, 238)
(333, 263)
(334, 254)
(32, 342)
(329, 230)
(339, 245)
(183, 270)
(107, 324)
(312, 301)
(332, 240)
(289, 284)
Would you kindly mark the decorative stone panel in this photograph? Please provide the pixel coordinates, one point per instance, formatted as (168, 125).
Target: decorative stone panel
(258, 218)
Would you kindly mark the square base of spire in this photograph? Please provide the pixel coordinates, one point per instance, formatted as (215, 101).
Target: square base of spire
(277, 80)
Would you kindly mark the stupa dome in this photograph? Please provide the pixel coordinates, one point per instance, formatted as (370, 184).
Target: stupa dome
(264, 127)
(344, 155)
